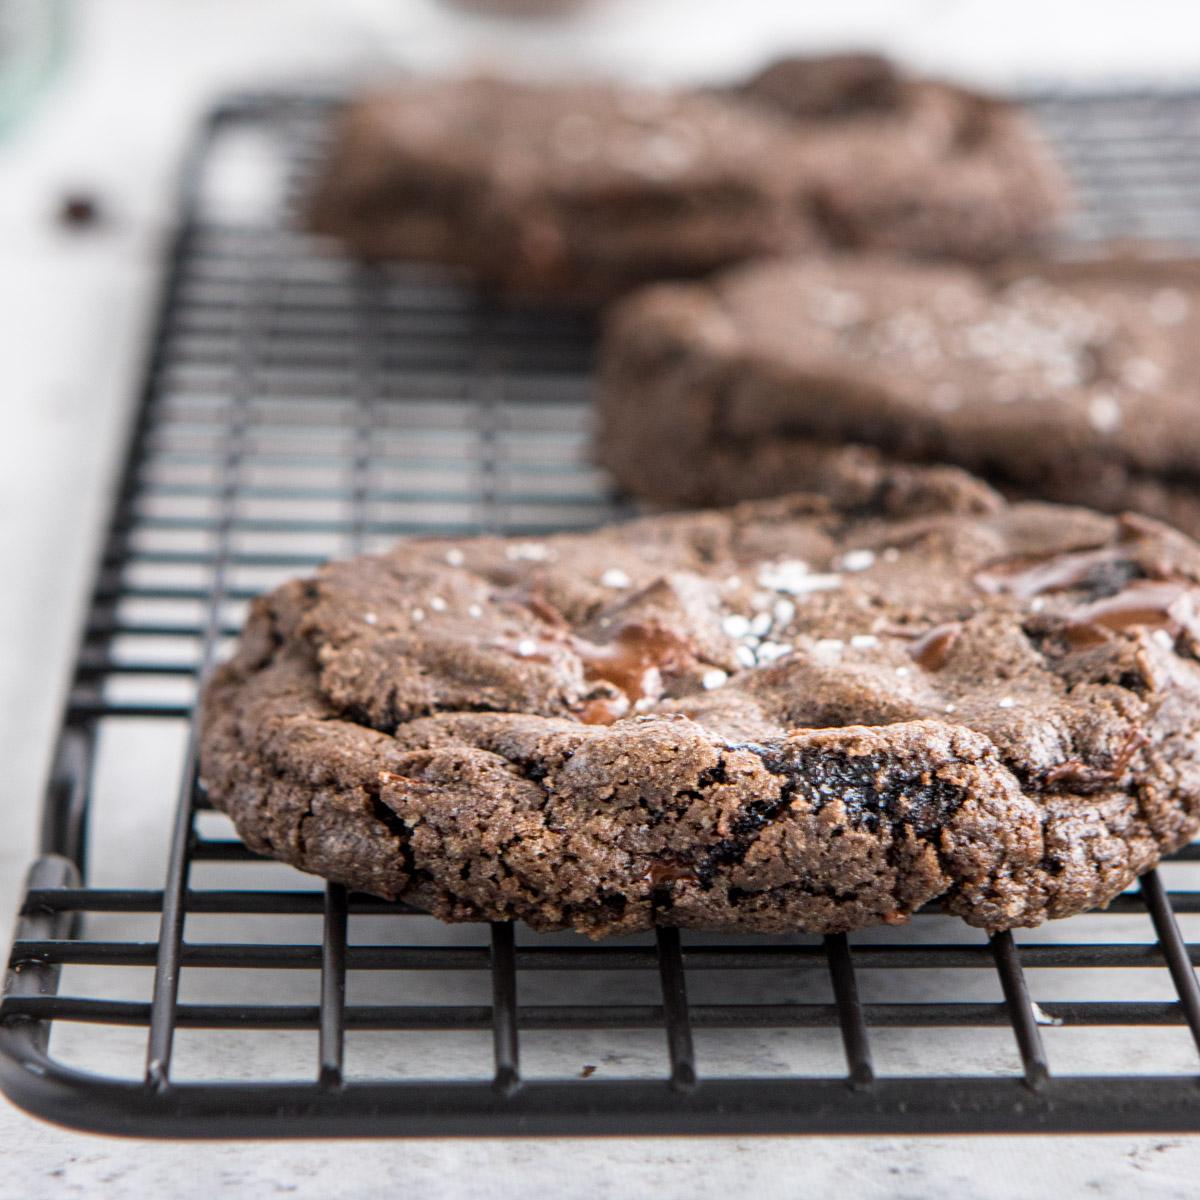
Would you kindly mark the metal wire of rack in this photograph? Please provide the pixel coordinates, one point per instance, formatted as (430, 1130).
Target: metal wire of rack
(295, 407)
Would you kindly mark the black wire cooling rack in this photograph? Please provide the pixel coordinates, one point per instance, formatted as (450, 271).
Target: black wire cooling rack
(296, 407)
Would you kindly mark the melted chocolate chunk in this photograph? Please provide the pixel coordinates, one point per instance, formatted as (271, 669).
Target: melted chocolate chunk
(932, 648)
(1084, 778)
(662, 874)
(633, 662)
(1122, 593)
(1101, 573)
(1142, 605)
(604, 710)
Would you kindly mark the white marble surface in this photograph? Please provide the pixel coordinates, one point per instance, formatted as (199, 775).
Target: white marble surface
(72, 307)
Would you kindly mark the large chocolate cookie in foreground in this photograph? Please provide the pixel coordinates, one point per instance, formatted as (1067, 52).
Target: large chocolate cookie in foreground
(807, 714)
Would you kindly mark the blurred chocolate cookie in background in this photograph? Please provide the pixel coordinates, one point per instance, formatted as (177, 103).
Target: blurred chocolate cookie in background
(913, 165)
(1071, 382)
(575, 193)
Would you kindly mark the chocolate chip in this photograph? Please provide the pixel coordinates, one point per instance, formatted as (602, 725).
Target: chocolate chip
(79, 210)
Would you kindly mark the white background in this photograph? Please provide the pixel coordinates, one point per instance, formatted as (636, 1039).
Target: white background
(73, 308)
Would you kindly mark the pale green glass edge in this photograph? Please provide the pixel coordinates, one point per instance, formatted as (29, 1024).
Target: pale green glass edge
(20, 91)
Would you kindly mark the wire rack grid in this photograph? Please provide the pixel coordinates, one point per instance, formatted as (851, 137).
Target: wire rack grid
(296, 407)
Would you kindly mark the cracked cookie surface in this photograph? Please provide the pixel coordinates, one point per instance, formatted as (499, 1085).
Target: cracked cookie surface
(806, 714)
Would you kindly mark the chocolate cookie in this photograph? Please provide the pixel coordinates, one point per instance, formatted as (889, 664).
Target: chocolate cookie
(576, 192)
(913, 165)
(1076, 384)
(569, 193)
(806, 714)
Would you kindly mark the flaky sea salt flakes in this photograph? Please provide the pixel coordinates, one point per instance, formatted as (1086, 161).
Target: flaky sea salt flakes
(946, 397)
(1164, 638)
(761, 625)
(1006, 702)
(455, 557)
(437, 603)
(864, 641)
(475, 610)
(761, 602)
(781, 576)
(371, 618)
(1143, 374)
(982, 340)
(857, 560)
(783, 611)
(890, 555)
(1104, 413)
(911, 334)
(527, 647)
(664, 154)
(840, 309)
(1042, 1017)
(614, 577)
(745, 656)
(1169, 306)
(732, 583)
(792, 576)
(819, 583)
(713, 679)
(527, 552)
(417, 615)
(950, 708)
(903, 671)
(1063, 375)
(769, 652)
(829, 649)
(735, 625)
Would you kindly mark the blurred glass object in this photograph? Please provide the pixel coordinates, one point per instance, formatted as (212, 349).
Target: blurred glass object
(520, 8)
(32, 41)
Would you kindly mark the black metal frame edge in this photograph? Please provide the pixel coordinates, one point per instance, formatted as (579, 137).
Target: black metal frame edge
(731, 1106)
(507, 1105)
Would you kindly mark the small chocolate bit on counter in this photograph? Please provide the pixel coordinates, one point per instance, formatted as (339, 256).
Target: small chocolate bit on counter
(79, 210)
